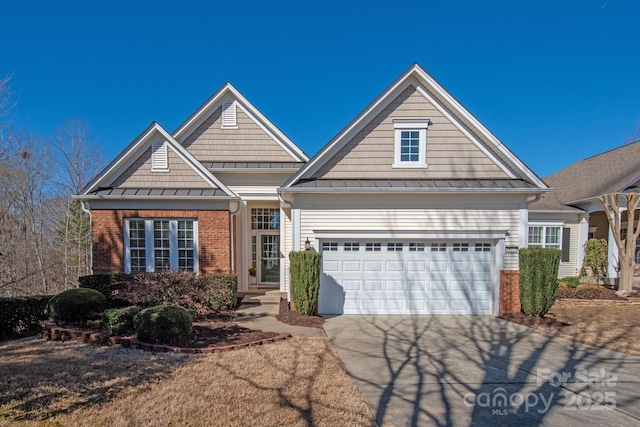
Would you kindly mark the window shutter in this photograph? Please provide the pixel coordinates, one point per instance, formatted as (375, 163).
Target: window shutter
(566, 238)
(159, 156)
(229, 114)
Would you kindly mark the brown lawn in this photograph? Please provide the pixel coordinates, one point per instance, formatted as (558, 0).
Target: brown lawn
(297, 382)
(615, 326)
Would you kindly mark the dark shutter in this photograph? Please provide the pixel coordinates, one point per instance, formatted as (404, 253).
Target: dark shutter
(566, 238)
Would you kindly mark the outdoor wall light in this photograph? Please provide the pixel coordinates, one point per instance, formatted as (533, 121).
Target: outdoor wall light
(307, 244)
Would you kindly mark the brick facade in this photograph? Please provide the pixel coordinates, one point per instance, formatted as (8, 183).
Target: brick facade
(108, 237)
(509, 292)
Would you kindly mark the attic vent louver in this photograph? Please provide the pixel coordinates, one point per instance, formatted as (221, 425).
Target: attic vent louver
(159, 157)
(229, 114)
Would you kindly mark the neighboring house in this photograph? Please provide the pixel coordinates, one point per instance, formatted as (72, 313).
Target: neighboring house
(572, 213)
(415, 205)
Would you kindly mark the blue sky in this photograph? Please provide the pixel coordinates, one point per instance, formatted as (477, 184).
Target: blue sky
(556, 81)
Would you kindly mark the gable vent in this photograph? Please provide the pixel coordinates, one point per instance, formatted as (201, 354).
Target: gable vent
(159, 156)
(229, 114)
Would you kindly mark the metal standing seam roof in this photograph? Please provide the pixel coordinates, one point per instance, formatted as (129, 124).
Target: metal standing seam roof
(475, 184)
(157, 192)
(252, 165)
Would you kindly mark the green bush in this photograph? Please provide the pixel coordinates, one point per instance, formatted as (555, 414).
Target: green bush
(305, 281)
(77, 304)
(222, 290)
(165, 324)
(595, 257)
(538, 280)
(20, 315)
(119, 321)
(572, 282)
(589, 292)
(108, 285)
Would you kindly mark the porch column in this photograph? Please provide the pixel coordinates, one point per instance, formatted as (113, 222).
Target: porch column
(613, 256)
(583, 236)
(524, 226)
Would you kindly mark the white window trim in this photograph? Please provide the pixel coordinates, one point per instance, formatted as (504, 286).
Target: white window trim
(160, 157)
(403, 125)
(544, 226)
(173, 243)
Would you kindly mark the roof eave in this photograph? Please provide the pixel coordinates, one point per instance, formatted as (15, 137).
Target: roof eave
(417, 190)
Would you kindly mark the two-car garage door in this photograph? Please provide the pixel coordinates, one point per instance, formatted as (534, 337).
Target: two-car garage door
(395, 277)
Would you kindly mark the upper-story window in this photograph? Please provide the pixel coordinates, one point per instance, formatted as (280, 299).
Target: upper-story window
(410, 143)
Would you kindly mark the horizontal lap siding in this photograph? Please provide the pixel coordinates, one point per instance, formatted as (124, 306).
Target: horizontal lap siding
(247, 143)
(571, 268)
(450, 153)
(413, 220)
(180, 175)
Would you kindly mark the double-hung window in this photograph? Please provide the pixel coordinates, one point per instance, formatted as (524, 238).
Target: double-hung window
(160, 245)
(545, 236)
(410, 150)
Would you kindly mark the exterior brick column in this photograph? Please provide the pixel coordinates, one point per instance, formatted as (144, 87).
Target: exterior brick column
(509, 292)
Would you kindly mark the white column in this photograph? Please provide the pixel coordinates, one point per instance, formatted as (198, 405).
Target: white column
(613, 256)
(241, 247)
(283, 255)
(583, 236)
(523, 241)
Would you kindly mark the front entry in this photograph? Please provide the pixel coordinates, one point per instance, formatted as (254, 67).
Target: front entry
(269, 260)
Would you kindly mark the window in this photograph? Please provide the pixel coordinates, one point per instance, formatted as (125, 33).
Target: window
(416, 247)
(410, 142)
(265, 219)
(545, 236)
(482, 247)
(329, 246)
(438, 247)
(160, 245)
(623, 232)
(394, 247)
(460, 247)
(351, 247)
(373, 247)
(229, 117)
(160, 157)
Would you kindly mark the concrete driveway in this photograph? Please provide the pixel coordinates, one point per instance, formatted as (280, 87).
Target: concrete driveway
(463, 371)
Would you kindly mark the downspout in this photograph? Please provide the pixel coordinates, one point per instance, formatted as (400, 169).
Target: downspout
(88, 212)
(231, 234)
(282, 200)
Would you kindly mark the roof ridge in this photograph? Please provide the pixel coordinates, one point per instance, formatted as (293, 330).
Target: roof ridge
(610, 150)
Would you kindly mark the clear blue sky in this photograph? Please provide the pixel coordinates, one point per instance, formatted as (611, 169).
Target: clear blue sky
(556, 81)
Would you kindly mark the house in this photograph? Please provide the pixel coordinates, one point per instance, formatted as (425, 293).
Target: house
(415, 205)
(572, 213)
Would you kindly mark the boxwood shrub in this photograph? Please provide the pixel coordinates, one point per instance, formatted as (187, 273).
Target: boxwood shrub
(77, 304)
(166, 324)
(108, 285)
(22, 315)
(119, 321)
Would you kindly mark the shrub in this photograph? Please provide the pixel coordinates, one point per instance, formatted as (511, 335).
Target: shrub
(572, 282)
(165, 324)
(222, 290)
(119, 321)
(595, 257)
(107, 284)
(20, 315)
(566, 292)
(588, 292)
(77, 304)
(538, 280)
(305, 281)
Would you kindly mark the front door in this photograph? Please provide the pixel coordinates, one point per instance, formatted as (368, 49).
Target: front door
(269, 262)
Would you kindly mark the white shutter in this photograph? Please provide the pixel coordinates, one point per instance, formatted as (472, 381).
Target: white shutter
(229, 114)
(159, 156)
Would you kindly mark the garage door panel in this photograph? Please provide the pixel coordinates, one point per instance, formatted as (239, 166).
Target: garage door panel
(373, 285)
(460, 266)
(372, 305)
(331, 266)
(394, 266)
(394, 285)
(482, 286)
(482, 306)
(373, 266)
(418, 266)
(437, 285)
(416, 285)
(352, 285)
(460, 285)
(417, 305)
(393, 305)
(438, 306)
(436, 266)
(351, 266)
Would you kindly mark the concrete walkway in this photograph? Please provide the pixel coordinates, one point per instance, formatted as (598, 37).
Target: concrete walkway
(483, 371)
(260, 311)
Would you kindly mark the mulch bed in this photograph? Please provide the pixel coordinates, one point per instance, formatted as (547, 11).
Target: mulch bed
(294, 319)
(533, 321)
(208, 333)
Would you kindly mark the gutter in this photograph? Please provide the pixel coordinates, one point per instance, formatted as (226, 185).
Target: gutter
(414, 190)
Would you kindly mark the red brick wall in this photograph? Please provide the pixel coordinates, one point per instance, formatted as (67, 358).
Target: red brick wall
(108, 244)
(509, 292)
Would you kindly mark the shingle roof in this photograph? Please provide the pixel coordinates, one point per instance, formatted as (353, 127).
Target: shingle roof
(616, 170)
(550, 202)
(158, 192)
(443, 184)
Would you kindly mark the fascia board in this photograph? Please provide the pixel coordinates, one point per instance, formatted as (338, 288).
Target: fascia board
(421, 190)
(410, 234)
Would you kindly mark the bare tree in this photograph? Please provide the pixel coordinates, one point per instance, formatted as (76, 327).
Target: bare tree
(613, 204)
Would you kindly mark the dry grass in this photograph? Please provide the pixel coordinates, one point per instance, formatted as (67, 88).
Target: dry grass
(297, 382)
(612, 326)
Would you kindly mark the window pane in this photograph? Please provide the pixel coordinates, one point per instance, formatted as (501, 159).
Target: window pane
(409, 146)
(186, 250)
(161, 252)
(265, 219)
(552, 237)
(137, 246)
(535, 236)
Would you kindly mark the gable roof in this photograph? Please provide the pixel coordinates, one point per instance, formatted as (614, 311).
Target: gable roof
(133, 151)
(415, 74)
(215, 101)
(614, 171)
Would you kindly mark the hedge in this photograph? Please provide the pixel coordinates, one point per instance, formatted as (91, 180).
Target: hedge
(77, 304)
(222, 290)
(108, 285)
(165, 324)
(20, 315)
(305, 281)
(538, 280)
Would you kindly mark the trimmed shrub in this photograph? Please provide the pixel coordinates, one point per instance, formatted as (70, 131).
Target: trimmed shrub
(107, 284)
(589, 292)
(119, 321)
(21, 315)
(77, 304)
(222, 290)
(165, 324)
(595, 257)
(305, 281)
(538, 280)
(572, 282)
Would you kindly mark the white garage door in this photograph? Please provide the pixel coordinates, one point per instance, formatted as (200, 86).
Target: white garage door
(401, 277)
